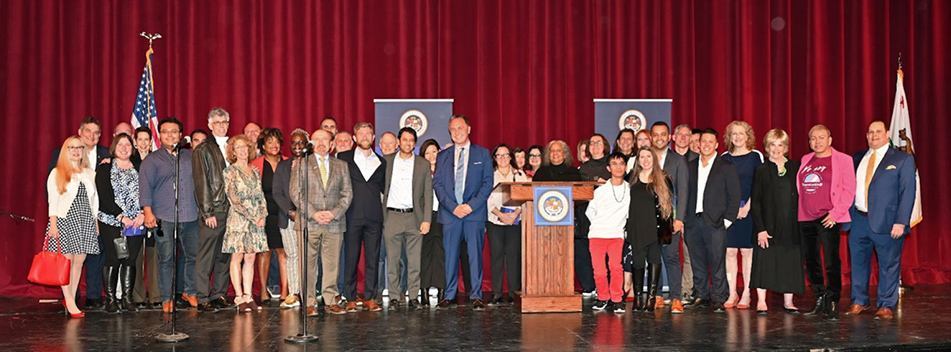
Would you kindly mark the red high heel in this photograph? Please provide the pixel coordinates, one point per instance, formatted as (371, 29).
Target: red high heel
(72, 315)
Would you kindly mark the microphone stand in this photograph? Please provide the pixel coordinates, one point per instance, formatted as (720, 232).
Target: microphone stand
(174, 336)
(303, 336)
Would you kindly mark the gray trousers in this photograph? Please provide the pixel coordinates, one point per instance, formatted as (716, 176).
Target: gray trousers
(210, 260)
(400, 231)
(687, 279)
(326, 245)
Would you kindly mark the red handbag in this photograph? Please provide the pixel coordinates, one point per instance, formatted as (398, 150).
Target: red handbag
(50, 268)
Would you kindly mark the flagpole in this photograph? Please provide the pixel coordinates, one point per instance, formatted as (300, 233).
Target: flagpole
(902, 286)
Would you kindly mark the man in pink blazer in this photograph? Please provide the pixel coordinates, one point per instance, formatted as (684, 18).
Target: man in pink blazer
(826, 184)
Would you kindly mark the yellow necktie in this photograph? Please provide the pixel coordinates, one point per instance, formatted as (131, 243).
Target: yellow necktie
(868, 175)
(323, 172)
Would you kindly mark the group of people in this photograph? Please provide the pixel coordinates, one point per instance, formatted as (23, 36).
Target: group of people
(231, 201)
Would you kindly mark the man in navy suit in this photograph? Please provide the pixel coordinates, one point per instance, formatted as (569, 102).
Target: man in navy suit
(89, 131)
(463, 181)
(881, 216)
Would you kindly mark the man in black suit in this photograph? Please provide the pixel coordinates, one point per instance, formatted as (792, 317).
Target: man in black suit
(681, 146)
(675, 165)
(89, 131)
(364, 218)
(713, 202)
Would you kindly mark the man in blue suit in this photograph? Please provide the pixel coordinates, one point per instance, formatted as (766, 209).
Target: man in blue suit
(462, 181)
(881, 216)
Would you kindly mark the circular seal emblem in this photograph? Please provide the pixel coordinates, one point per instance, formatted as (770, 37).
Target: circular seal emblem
(415, 119)
(553, 206)
(632, 119)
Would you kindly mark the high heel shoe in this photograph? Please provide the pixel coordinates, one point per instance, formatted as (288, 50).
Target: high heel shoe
(730, 303)
(72, 315)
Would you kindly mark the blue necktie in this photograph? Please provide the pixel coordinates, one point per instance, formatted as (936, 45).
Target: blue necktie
(460, 175)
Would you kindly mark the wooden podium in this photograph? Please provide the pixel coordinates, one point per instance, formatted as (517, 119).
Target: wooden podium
(548, 262)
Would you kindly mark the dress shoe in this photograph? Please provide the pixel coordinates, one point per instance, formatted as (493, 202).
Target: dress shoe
(444, 304)
(192, 300)
(731, 302)
(719, 308)
(790, 310)
(676, 307)
(477, 305)
(220, 303)
(93, 304)
(312, 312)
(77, 315)
(884, 314)
(832, 311)
(495, 302)
(167, 306)
(351, 307)
(855, 309)
(372, 306)
(699, 303)
(414, 305)
(207, 307)
(761, 309)
(335, 309)
(820, 305)
(394, 304)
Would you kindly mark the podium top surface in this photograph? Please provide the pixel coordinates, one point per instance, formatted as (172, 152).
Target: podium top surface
(516, 193)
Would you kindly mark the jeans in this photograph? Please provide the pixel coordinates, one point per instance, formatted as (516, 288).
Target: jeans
(188, 237)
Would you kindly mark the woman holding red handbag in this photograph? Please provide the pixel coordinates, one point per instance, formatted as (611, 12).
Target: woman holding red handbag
(73, 207)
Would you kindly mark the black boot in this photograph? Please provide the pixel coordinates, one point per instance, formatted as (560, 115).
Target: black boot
(110, 277)
(654, 275)
(127, 279)
(820, 306)
(637, 278)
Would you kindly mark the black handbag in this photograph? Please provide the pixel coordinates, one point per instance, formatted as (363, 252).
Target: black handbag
(122, 247)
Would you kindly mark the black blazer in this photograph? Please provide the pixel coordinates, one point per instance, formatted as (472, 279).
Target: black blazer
(367, 205)
(775, 203)
(721, 197)
(280, 189)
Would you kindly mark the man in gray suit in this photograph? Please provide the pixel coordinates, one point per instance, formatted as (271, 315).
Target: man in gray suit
(328, 196)
(675, 165)
(407, 203)
(681, 146)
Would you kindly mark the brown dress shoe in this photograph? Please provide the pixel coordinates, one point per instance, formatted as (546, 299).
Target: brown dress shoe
(312, 312)
(192, 300)
(884, 313)
(444, 304)
(351, 307)
(335, 309)
(371, 305)
(477, 305)
(167, 306)
(855, 309)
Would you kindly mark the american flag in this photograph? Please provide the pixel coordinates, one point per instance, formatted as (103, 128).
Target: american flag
(145, 113)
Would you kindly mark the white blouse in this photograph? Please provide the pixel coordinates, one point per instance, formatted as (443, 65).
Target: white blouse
(495, 199)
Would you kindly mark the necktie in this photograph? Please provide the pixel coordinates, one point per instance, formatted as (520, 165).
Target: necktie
(868, 175)
(460, 174)
(323, 171)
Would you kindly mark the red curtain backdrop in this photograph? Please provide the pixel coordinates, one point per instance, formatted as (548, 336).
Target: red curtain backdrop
(525, 72)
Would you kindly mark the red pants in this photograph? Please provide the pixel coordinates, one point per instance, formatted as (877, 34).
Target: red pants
(611, 247)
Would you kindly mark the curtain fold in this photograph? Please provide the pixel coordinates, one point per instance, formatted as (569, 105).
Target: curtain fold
(525, 72)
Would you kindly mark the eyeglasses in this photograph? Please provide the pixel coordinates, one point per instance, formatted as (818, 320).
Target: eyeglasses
(225, 122)
(596, 143)
(502, 155)
(534, 155)
(76, 148)
(170, 131)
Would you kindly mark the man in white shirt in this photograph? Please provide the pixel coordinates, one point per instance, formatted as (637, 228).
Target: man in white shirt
(408, 198)
(713, 201)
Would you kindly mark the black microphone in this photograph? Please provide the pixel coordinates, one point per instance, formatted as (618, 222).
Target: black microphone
(309, 148)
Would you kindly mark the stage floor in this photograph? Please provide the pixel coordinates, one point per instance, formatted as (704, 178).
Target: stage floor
(921, 323)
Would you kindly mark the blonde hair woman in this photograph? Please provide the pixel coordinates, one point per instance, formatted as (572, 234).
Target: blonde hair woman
(73, 208)
(244, 237)
(741, 143)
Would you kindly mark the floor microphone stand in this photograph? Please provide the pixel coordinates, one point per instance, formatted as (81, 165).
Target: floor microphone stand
(174, 336)
(302, 172)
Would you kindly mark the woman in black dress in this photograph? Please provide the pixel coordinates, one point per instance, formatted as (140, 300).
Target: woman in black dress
(777, 262)
(269, 143)
(648, 224)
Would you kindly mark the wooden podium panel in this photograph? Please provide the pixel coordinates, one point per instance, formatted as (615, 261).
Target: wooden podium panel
(548, 264)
